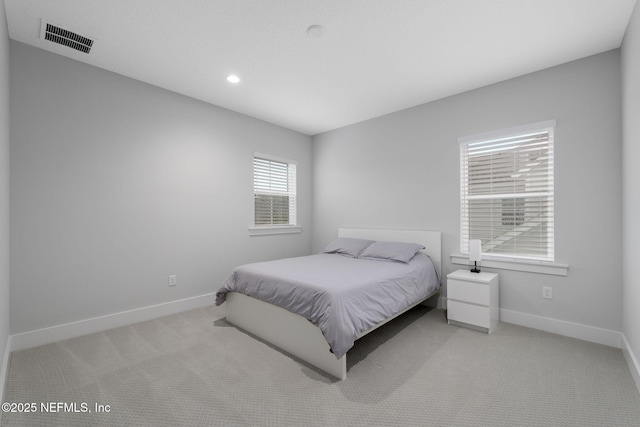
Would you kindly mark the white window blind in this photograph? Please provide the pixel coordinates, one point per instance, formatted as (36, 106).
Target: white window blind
(274, 188)
(507, 192)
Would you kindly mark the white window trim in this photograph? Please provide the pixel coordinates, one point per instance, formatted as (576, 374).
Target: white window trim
(516, 264)
(269, 230)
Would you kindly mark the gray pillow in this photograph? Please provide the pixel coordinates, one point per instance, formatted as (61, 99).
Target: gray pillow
(347, 246)
(392, 251)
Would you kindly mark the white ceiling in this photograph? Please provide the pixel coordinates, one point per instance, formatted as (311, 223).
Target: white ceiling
(375, 57)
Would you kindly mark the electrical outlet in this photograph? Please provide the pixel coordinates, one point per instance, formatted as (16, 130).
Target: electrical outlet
(547, 292)
(173, 280)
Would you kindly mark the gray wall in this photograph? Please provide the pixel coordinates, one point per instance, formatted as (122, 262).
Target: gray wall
(4, 188)
(631, 181)
(402, 170)
(115, 184)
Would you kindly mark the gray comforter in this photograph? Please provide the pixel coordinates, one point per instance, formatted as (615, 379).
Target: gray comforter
(343, 296)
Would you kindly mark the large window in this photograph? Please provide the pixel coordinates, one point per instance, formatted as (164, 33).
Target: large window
(274, 191)
(506, 192)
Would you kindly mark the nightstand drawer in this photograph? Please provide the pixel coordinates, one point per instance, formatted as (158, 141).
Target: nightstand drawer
(468, 313)
(476, 293)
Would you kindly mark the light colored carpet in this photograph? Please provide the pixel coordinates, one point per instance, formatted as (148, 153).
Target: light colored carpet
(193, 368)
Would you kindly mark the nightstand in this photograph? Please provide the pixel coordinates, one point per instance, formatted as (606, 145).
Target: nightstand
(473, 300)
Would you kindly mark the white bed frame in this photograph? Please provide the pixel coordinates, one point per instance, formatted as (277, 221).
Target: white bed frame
(299, 337)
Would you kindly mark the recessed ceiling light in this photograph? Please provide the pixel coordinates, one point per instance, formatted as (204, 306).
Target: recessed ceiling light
(315, 31)
(232, 78)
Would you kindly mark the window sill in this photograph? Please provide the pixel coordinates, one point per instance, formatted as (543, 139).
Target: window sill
(541, 267)
(268, 231)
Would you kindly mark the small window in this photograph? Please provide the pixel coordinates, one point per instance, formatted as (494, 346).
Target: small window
(506, 192)
(274, 191)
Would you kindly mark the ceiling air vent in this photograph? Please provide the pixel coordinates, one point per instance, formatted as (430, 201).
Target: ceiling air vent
(59, 35)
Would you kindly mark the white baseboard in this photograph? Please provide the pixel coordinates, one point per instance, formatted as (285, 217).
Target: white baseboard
(65, 331)
(632, 361)
(561, 327)
(4, 368)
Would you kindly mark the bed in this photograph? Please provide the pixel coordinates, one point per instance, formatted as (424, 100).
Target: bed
(314, 335)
